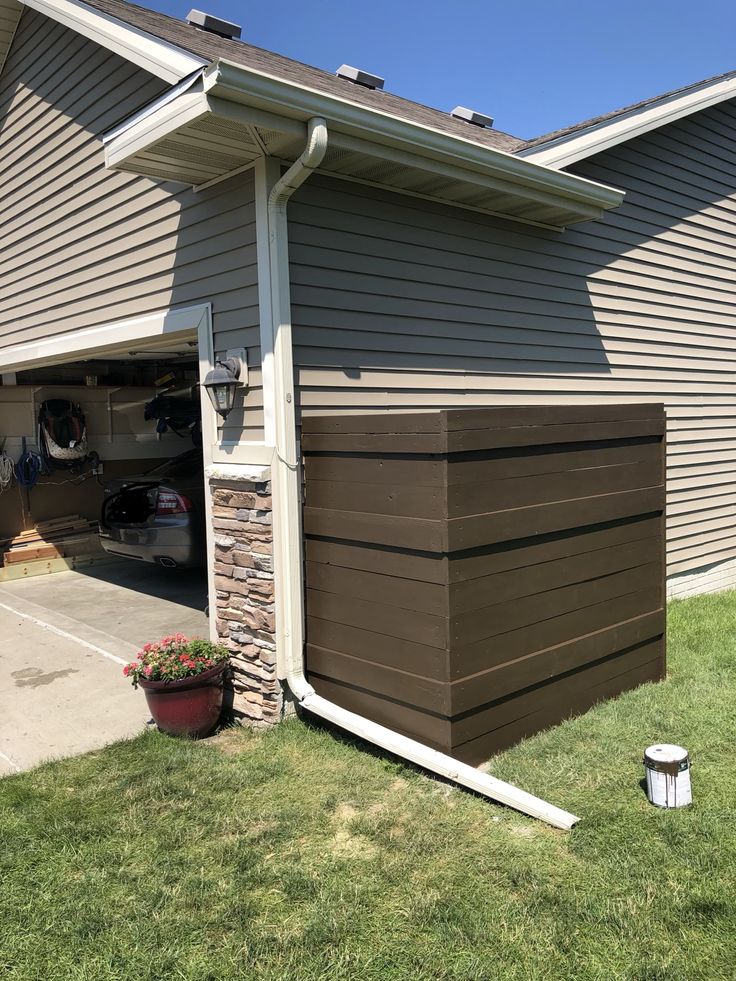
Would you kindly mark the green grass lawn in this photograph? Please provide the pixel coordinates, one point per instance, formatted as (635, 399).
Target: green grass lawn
(297, 855)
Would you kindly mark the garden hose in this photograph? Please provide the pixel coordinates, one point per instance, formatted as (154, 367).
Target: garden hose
(28, 469)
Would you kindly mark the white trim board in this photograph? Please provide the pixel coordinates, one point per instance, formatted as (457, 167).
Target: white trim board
(568, 148)
(79, 345)
(158, 57)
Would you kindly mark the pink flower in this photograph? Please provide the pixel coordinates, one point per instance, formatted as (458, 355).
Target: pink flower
(126, 669)
(148, 670)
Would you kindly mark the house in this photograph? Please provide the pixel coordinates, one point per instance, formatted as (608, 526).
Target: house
(168, 189)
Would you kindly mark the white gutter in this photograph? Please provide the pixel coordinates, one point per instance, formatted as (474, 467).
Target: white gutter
(288, 532)
(231, 81)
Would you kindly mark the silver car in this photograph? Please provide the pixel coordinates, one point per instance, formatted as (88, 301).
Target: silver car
(158, 516)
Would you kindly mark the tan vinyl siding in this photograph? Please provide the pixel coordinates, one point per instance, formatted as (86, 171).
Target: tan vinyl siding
(81, 246)
(10, 11)
(400, 304)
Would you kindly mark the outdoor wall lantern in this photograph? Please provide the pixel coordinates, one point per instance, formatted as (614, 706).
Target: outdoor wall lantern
(221, 383)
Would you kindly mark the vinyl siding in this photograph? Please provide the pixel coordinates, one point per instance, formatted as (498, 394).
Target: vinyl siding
(10, 11)
(82, 246)
(399, 304)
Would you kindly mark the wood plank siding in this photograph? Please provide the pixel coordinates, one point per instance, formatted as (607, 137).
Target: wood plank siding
(401, 304)
(83, 246)
(474, 576)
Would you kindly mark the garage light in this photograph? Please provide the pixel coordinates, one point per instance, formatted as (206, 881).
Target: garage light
(221, 383)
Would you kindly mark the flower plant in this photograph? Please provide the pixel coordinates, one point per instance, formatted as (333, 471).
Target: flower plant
(174, 657)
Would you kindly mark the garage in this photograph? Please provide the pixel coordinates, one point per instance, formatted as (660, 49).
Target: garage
(103, 550)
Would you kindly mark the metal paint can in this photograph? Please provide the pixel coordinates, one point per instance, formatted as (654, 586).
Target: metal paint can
(667, 769)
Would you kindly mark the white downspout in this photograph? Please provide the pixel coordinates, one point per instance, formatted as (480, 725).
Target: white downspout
(288, 530)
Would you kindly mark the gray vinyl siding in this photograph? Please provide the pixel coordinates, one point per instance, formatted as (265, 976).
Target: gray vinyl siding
(399, 304)
(82, 246)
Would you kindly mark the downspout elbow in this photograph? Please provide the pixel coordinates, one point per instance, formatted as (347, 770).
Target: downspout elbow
(303, 167)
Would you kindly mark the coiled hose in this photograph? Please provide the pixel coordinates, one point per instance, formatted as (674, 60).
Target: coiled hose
(28, 469)
(7, 471)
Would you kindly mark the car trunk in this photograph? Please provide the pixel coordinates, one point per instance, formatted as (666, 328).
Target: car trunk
(130, 503)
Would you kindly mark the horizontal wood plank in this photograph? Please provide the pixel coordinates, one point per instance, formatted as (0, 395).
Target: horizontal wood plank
(467, 591)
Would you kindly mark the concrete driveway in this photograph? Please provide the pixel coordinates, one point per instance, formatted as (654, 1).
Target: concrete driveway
(63, 641)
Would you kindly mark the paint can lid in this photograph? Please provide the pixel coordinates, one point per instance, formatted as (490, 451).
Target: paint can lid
(665, 753)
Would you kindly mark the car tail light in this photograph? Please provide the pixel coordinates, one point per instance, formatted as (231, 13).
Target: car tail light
(169, 502)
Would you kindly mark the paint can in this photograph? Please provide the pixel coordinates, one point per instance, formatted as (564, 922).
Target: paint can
(667, 769)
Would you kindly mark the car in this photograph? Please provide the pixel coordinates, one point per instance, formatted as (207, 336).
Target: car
(158, 516)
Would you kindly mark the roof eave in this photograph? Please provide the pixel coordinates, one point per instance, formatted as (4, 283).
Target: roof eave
(567, 149)
(251, 98)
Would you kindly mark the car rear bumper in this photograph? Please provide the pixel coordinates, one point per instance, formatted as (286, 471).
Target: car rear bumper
(160, 546)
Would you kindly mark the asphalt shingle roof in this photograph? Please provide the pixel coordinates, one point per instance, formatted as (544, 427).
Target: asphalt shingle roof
(605, 117)
(212, 47)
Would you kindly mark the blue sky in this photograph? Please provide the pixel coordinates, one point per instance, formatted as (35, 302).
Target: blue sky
(532, 64)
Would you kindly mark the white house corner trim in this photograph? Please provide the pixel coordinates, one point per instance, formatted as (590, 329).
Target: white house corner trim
(267, 173)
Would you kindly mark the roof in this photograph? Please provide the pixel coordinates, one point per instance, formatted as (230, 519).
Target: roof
(642, 116)
(173, 49)
(615, 113)
(212, 47)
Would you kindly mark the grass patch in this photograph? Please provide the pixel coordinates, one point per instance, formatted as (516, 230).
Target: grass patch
(295, 855)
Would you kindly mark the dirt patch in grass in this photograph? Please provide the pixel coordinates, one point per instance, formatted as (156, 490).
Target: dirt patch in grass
(234, 741)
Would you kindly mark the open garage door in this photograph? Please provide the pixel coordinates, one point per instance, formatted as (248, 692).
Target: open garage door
(109, 550)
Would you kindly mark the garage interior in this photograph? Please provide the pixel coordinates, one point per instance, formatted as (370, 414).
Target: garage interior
(71, 614)
(50, 550)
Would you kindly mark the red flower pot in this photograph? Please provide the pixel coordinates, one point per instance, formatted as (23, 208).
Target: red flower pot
(187, 707)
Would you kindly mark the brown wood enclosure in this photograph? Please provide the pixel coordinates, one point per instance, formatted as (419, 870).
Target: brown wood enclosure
(476, 575)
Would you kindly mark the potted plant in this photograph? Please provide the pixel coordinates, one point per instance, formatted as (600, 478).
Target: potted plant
(183, 682)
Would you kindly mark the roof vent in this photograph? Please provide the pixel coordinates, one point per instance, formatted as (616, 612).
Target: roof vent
(469, 116)
(206, 22)
(360, 78)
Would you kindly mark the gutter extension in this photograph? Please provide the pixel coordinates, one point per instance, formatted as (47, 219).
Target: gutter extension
(288, 530)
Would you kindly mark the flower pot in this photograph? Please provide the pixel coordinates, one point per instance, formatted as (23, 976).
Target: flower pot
(187, 707)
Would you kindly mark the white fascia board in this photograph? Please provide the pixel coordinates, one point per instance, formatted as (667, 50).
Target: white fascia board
(277, 95)
(158, 57)
(169, 325)
(567, 150)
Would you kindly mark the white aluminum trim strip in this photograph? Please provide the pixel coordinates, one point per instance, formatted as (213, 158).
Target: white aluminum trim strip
(242, 471)
(158, 57)
(173, 93)
(245, 453)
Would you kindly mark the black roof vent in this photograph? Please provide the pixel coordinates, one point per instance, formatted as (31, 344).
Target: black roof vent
(206, 22)
(359, 77)
(470, 116)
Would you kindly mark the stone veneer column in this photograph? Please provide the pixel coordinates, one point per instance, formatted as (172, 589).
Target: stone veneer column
(244, 583)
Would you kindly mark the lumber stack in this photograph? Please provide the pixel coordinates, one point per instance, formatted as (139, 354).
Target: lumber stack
(66, 537)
